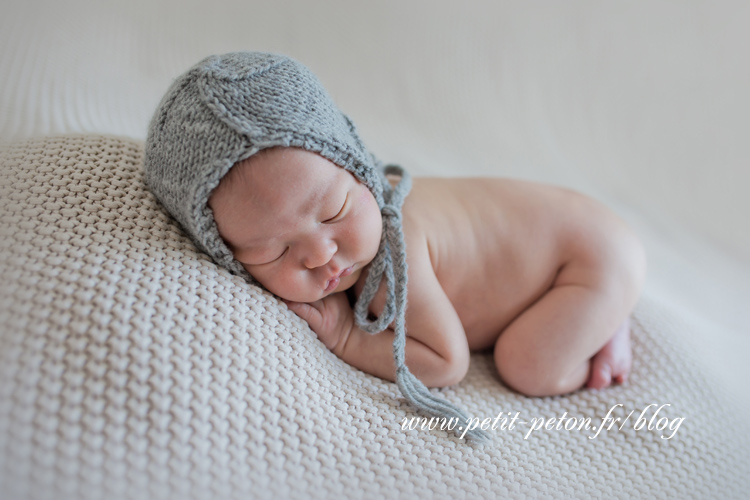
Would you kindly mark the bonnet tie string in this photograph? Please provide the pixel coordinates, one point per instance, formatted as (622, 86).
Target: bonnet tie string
(390, 262)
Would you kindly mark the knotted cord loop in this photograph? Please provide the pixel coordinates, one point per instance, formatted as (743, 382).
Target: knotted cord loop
(391, 239)
(391, 263)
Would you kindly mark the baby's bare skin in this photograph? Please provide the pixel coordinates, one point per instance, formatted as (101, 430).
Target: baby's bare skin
(544, 276)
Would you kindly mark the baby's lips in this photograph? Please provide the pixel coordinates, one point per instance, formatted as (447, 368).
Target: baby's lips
(332, 283)
(346, 272)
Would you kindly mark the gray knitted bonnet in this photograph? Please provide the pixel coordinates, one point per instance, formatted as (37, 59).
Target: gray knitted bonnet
(227, 108)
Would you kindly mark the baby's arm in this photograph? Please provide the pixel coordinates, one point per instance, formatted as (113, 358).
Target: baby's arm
(437, 352)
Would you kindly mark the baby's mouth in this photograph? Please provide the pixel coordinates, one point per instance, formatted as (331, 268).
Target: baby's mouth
(332, 283)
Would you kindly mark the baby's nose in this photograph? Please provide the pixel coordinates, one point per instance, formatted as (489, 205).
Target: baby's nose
(320, 253)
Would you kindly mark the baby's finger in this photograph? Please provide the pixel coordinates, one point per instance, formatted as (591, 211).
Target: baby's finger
(306, 312)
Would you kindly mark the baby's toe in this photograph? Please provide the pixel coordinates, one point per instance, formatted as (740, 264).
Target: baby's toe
(620, 379)
(601, 374)
(612, 363)
(621, 366)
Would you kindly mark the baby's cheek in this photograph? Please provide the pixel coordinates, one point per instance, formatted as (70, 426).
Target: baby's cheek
(369, 203)
(365, 207)
(365, 197)
(366, 224)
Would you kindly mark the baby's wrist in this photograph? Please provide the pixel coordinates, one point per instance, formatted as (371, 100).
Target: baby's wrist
(346, 337)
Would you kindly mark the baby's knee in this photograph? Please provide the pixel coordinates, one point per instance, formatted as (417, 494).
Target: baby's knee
(527, 374)
(520, 379)
(537, 383)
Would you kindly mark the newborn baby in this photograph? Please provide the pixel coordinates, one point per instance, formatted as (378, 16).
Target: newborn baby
(267, 176)
(543, 276)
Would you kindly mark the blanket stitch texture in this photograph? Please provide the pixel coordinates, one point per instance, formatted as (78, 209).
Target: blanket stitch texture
(133, 366)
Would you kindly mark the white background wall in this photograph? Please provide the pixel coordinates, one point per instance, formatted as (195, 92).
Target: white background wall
(643, 104)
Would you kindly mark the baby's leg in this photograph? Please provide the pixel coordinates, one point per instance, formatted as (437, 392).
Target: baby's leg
(578, 330)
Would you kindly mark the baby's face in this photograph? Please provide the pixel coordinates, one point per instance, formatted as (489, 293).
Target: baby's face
(303, 227)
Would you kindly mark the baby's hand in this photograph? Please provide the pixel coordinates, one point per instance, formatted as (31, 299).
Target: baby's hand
(331, 318)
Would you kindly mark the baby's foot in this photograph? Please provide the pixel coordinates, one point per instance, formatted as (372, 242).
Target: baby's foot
(612, 363)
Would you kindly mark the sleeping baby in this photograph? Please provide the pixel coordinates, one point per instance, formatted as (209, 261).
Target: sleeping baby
(250, 154)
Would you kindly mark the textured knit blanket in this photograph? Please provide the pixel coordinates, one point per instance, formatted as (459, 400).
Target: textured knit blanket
(131, 366)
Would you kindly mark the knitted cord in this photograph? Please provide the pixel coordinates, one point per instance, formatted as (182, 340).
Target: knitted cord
(391, 262)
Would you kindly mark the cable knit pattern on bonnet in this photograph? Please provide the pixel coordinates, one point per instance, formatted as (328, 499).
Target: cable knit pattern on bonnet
(227, 108)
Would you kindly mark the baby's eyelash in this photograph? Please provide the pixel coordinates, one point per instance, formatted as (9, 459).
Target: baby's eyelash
(272, 260)
(280, 256)
(338, 215)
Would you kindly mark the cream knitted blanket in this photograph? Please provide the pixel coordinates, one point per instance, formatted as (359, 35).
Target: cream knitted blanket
(132, 366)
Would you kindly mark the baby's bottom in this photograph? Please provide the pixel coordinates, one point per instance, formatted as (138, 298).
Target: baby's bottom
(578, 332)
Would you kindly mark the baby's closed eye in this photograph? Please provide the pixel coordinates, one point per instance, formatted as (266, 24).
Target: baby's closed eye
(262, 258)
(340, 212)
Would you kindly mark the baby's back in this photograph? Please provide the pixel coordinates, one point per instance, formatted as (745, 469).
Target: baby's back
(496, 245)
